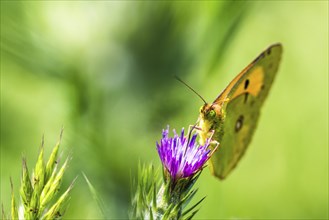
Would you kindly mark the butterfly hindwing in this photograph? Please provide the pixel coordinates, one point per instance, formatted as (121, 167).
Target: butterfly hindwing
(237, 132)
(238, 108)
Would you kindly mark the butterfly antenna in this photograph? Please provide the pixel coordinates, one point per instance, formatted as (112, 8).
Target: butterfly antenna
(176, 77)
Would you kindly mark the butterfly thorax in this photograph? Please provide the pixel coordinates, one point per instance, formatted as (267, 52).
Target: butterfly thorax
(210, 122)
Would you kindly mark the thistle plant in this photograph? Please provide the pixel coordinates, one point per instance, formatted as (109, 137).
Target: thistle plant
(38, 192)
(167, 198)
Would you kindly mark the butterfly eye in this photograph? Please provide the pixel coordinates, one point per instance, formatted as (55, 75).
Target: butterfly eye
(200, 110)
(212, 113)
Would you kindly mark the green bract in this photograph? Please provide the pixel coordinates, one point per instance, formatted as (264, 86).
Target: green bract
(39, 191)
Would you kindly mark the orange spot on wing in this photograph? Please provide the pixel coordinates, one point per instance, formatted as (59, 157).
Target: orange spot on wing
(256, 80)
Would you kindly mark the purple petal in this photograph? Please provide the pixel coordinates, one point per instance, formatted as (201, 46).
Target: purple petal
(180, 156)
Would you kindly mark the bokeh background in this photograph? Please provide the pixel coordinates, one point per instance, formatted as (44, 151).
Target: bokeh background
(104, 70)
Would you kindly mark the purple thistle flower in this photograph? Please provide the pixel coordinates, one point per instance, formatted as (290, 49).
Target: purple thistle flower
(181, 156)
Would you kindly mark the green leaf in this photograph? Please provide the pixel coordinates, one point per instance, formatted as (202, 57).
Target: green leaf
(53, 158)
(14, 211)
(26, 189)
(58, 209)
(97, 198)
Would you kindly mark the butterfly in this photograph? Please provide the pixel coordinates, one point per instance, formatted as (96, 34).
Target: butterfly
(232, 118)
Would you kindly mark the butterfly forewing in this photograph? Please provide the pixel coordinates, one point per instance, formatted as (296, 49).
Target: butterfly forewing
(240, 105)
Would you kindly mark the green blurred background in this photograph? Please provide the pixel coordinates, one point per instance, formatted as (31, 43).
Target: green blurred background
(104, 71)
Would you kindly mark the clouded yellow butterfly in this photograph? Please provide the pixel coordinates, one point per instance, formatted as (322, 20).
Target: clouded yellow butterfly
(233, 116)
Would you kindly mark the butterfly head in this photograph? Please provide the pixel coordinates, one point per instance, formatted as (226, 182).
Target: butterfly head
(208, 112)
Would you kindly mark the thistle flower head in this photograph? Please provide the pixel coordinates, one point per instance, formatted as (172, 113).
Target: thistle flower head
(180, 155)
(182, 160)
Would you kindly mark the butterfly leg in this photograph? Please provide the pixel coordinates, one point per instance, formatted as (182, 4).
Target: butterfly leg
(213, 143)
